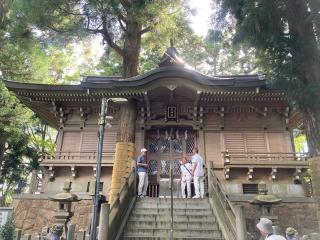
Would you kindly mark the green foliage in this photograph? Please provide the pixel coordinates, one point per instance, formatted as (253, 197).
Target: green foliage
(7, 230)
(264, 26)
(300, 143)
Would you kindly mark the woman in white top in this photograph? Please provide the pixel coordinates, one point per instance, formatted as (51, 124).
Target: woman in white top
(185, 177)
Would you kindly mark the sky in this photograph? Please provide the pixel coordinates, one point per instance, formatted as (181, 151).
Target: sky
(201, 20)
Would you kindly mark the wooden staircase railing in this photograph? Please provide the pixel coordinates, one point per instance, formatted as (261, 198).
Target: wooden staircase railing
(230, 217)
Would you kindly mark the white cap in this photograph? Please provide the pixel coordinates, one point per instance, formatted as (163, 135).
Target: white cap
(144, 150)
(265, 225)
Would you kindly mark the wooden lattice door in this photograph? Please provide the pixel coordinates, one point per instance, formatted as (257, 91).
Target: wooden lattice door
(161, 151)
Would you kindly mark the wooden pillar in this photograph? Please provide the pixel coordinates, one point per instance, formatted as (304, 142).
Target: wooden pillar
(201, 143)
(124, 148)
(315, 176)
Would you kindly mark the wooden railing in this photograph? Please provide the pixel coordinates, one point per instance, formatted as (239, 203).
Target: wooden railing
(264, 158)
(230, 217)
(79, 158)
(114, 216)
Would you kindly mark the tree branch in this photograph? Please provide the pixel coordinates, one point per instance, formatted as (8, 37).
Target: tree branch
(121, 25)
(108, 39)
(147, 29)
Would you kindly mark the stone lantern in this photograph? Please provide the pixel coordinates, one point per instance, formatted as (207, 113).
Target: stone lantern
(63, 214)
(265, 202)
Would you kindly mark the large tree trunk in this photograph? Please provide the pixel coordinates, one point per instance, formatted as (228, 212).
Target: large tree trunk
(124, 153)
(306, 58)
(131, 48)
(127, 124)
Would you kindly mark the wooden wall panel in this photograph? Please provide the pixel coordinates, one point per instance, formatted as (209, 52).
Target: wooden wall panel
(278, 142)
(71, 141)
(109, 141)
(213, 148)
(90, 141)
(245, 142)
(234, 142)
(256, 142)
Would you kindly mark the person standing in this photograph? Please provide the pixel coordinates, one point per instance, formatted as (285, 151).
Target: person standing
(197, 173)
(185, 178)
(292, 234)
(142, 172)
(266, 230)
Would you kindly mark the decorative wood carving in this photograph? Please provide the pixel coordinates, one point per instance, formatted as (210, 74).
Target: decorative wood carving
(94, 171)
(273, 173)
(250, 173)
(227, 173)
(83, 116)
(73, 172)
(297, 174)
(51, 173)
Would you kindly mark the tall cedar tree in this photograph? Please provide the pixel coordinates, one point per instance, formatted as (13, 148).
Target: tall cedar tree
(284, 32)
(121, 23)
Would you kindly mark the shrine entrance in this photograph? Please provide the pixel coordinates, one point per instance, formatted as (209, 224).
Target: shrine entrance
(167, 145)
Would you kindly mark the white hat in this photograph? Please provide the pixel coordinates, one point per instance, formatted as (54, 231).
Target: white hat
(265, 225)
(144, 150)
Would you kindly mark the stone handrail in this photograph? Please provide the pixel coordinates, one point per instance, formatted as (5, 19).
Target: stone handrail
(230, 217)
(116, 214)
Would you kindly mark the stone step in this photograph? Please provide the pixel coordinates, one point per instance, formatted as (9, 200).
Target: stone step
(131, 225)
(166, 238)
(177, 233)
(176, 218)
(175, 200)
(179, 205)
(188, 212)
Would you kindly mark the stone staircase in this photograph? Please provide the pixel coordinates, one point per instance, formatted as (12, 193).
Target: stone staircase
(193, 219)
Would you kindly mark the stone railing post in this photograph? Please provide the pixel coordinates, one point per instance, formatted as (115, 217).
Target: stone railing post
(209, 168)
(26, 237)
(241, 229)
(17, 234)
(36, 237)
(81, 235)
(104, 221)
(71, 231)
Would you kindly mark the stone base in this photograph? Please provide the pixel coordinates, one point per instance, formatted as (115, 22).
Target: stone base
(31, 215)
(301, 216)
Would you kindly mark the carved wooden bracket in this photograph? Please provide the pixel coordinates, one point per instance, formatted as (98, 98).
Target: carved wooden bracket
(51, 173)
(73, 171)
(273, 173)
(250, 173)
(297, 174)
(83, 116)
(227, 173)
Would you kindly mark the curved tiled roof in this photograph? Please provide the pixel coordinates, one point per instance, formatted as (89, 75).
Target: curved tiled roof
(174, 72)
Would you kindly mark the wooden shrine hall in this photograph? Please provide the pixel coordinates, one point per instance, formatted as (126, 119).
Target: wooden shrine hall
(241, 125)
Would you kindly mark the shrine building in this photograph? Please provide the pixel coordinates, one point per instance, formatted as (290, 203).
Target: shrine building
(241, 125)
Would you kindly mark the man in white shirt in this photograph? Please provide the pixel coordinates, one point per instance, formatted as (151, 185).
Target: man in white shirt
(185, 178)
(266, 230)
(197, 173)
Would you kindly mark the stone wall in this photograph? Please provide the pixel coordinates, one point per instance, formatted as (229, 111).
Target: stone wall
(31, 215)
(301, 216)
